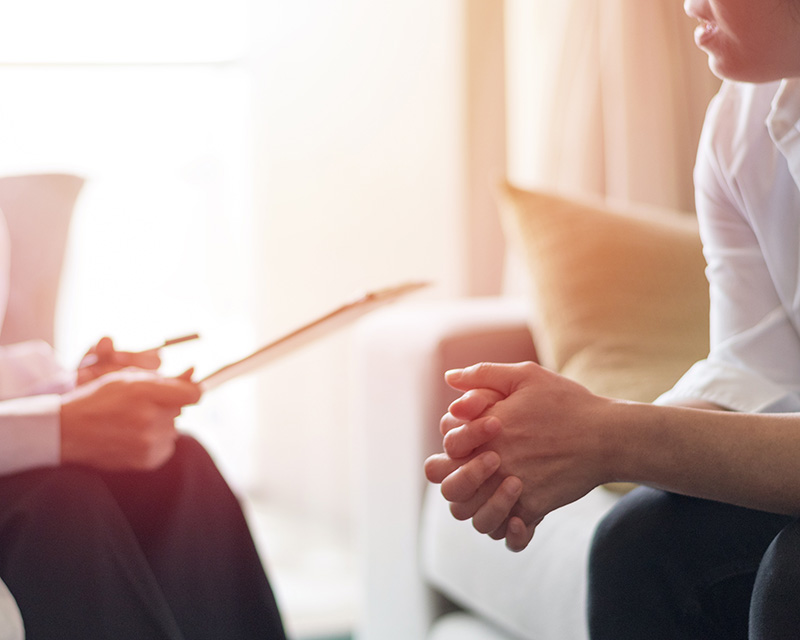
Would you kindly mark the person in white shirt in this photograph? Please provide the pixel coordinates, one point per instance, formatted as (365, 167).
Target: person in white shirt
(710, 547)
(113, 525)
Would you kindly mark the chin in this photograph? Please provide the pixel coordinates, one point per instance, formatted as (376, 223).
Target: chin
(742, 73)
(738, 69)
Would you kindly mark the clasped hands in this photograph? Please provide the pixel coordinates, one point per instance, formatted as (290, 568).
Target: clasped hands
(520, 442)
(121, 414)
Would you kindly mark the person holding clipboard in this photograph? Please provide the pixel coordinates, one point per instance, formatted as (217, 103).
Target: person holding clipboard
(113, 525)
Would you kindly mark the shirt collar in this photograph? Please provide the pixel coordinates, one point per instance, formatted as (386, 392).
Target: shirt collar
(783, 121)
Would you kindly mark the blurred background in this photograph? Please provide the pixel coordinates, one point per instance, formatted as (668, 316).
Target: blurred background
(254, 163)
(249, 165)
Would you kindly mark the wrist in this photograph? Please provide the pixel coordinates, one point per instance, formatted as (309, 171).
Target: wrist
(64, 430)
(624, 440)
(70, 425)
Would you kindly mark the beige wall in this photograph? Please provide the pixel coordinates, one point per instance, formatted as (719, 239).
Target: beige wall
(359, 149)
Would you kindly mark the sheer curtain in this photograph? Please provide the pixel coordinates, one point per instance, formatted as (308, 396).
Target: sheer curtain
(606, 97)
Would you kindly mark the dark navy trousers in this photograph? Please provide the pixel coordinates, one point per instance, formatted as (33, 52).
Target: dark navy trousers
(665, 566)
(158, 555)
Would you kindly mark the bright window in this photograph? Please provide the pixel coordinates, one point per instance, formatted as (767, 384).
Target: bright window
(109, 31)
(150, 101)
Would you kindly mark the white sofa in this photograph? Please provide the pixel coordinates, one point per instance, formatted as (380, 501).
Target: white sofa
(621, 305)
(426, 575)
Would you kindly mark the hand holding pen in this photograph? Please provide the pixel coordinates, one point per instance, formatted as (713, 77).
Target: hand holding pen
(104, 358)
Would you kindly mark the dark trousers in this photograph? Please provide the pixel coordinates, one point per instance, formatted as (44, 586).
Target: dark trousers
(154, 555)
(665, 566)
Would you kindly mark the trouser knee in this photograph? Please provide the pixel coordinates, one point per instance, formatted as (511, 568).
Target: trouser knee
(63, 501)
(625, 539)
(635, 567)
(775, 607)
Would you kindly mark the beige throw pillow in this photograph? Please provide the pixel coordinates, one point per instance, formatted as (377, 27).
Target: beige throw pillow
(619, 296)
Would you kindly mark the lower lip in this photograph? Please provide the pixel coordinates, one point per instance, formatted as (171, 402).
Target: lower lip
(704, 34)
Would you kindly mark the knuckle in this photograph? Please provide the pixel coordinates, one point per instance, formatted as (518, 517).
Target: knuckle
(528, 367)
(447, 423)
(459, 486)
(499, 533)
(481, 368)
(491, 516)
(434, 469)
(470, 475)
(147, 415)
(460, 511)
(486, 396)
(485, 428)
(450, 492)
(482, 524)
(452, 443)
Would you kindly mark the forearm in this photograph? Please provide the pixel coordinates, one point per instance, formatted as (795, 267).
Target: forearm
(561, 441)
(746, 459)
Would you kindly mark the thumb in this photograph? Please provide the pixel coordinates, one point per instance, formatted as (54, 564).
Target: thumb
(503, 378)
(104, 347)
(186, 375)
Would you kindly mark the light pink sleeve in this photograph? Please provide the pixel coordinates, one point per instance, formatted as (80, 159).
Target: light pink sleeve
(31, 380)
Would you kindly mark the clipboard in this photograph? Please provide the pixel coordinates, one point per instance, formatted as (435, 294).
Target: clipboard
(314, 330)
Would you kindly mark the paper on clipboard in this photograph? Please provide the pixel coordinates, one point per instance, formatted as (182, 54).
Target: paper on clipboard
(306, 334)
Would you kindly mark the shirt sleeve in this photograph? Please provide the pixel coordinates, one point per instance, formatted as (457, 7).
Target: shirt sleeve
(32, 368)
(31, 381)
(30, 430)
(754, 348)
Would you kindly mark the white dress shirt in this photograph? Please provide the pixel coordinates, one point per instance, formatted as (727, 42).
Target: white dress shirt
(747, 181)
(31, 380)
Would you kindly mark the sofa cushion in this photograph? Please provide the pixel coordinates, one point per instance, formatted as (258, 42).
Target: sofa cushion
(619, 295)
(538, 593)
(461, 625)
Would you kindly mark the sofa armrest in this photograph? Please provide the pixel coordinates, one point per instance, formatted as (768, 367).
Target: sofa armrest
(399, 394)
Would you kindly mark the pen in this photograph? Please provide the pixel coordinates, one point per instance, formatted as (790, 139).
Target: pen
(91, 359)
(171, 341)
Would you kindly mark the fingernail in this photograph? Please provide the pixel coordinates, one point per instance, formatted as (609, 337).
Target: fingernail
(492, 425)
(452, 372)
